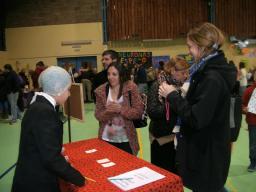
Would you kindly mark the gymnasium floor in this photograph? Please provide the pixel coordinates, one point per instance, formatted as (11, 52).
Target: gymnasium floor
(239, 179)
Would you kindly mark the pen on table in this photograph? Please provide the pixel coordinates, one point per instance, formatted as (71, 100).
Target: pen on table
(89, 179)
(120, 179)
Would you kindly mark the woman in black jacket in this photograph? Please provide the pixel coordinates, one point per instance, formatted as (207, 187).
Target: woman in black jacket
(40, 163)
(162, 119)
(204, 148)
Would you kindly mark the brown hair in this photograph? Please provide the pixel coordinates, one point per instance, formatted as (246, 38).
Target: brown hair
(207, 37)
(178, 63)
(113, 55)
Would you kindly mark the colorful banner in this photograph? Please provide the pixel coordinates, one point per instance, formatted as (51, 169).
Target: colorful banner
(131, 58)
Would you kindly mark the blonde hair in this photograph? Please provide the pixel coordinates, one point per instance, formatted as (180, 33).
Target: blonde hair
(207, 37)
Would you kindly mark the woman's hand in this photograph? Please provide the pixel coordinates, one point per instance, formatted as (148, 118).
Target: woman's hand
(245, 109)
(113, 107)
(165, 89)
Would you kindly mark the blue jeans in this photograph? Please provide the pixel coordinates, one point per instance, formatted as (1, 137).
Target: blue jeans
(4, 107)
(12, 99)
(252, 143)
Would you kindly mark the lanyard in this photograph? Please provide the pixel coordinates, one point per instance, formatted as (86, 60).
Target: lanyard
(167, 108)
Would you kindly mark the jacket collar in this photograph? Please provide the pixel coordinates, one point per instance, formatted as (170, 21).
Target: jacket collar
(47, 97)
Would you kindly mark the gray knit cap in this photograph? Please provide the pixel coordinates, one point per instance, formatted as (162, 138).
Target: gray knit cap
(54, 80)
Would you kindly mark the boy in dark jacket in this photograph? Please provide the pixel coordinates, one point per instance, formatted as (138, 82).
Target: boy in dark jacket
(40, 162)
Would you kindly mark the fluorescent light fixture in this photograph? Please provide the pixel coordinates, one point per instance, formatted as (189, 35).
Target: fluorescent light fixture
(76, 42)
(156, 40)
(251, 41)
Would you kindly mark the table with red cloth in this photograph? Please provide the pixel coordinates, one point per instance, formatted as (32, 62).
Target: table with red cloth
(87, 164)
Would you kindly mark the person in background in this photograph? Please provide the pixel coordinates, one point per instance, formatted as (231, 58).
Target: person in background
(162, 119)
(151, 76)
(24, 85)
(108, 57)
(12, 88)
(40, 162)
(140, 78)
(236, 88)
(251, 75)
(3, 96)
(40, 67)
(161, 67)
(203, 151)
(242, 77)
(251, 121)
(86, 76)
(118, 102)
(24, 78)
(128, 68)
(130, 64)
(236, 102)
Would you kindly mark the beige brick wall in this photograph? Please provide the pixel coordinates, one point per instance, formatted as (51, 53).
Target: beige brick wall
(53, 12)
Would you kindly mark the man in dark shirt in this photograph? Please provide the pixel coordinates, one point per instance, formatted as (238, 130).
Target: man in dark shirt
(12, 89)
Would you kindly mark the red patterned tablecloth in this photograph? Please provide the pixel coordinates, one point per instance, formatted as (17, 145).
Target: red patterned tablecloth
(87, 165)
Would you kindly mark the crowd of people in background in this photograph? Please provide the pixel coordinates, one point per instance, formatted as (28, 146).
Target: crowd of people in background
(188, 106)
(14, 87)
(143, 76)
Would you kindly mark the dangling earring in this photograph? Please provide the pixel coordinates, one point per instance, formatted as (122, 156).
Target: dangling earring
(215, 46)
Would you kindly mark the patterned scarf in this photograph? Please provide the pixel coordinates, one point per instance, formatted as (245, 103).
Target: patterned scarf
(196, 66)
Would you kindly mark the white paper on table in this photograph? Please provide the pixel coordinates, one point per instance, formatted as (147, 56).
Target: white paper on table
(91, 151)
(110, 164)
(252, 103)
(103, 160)
(135, 178)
